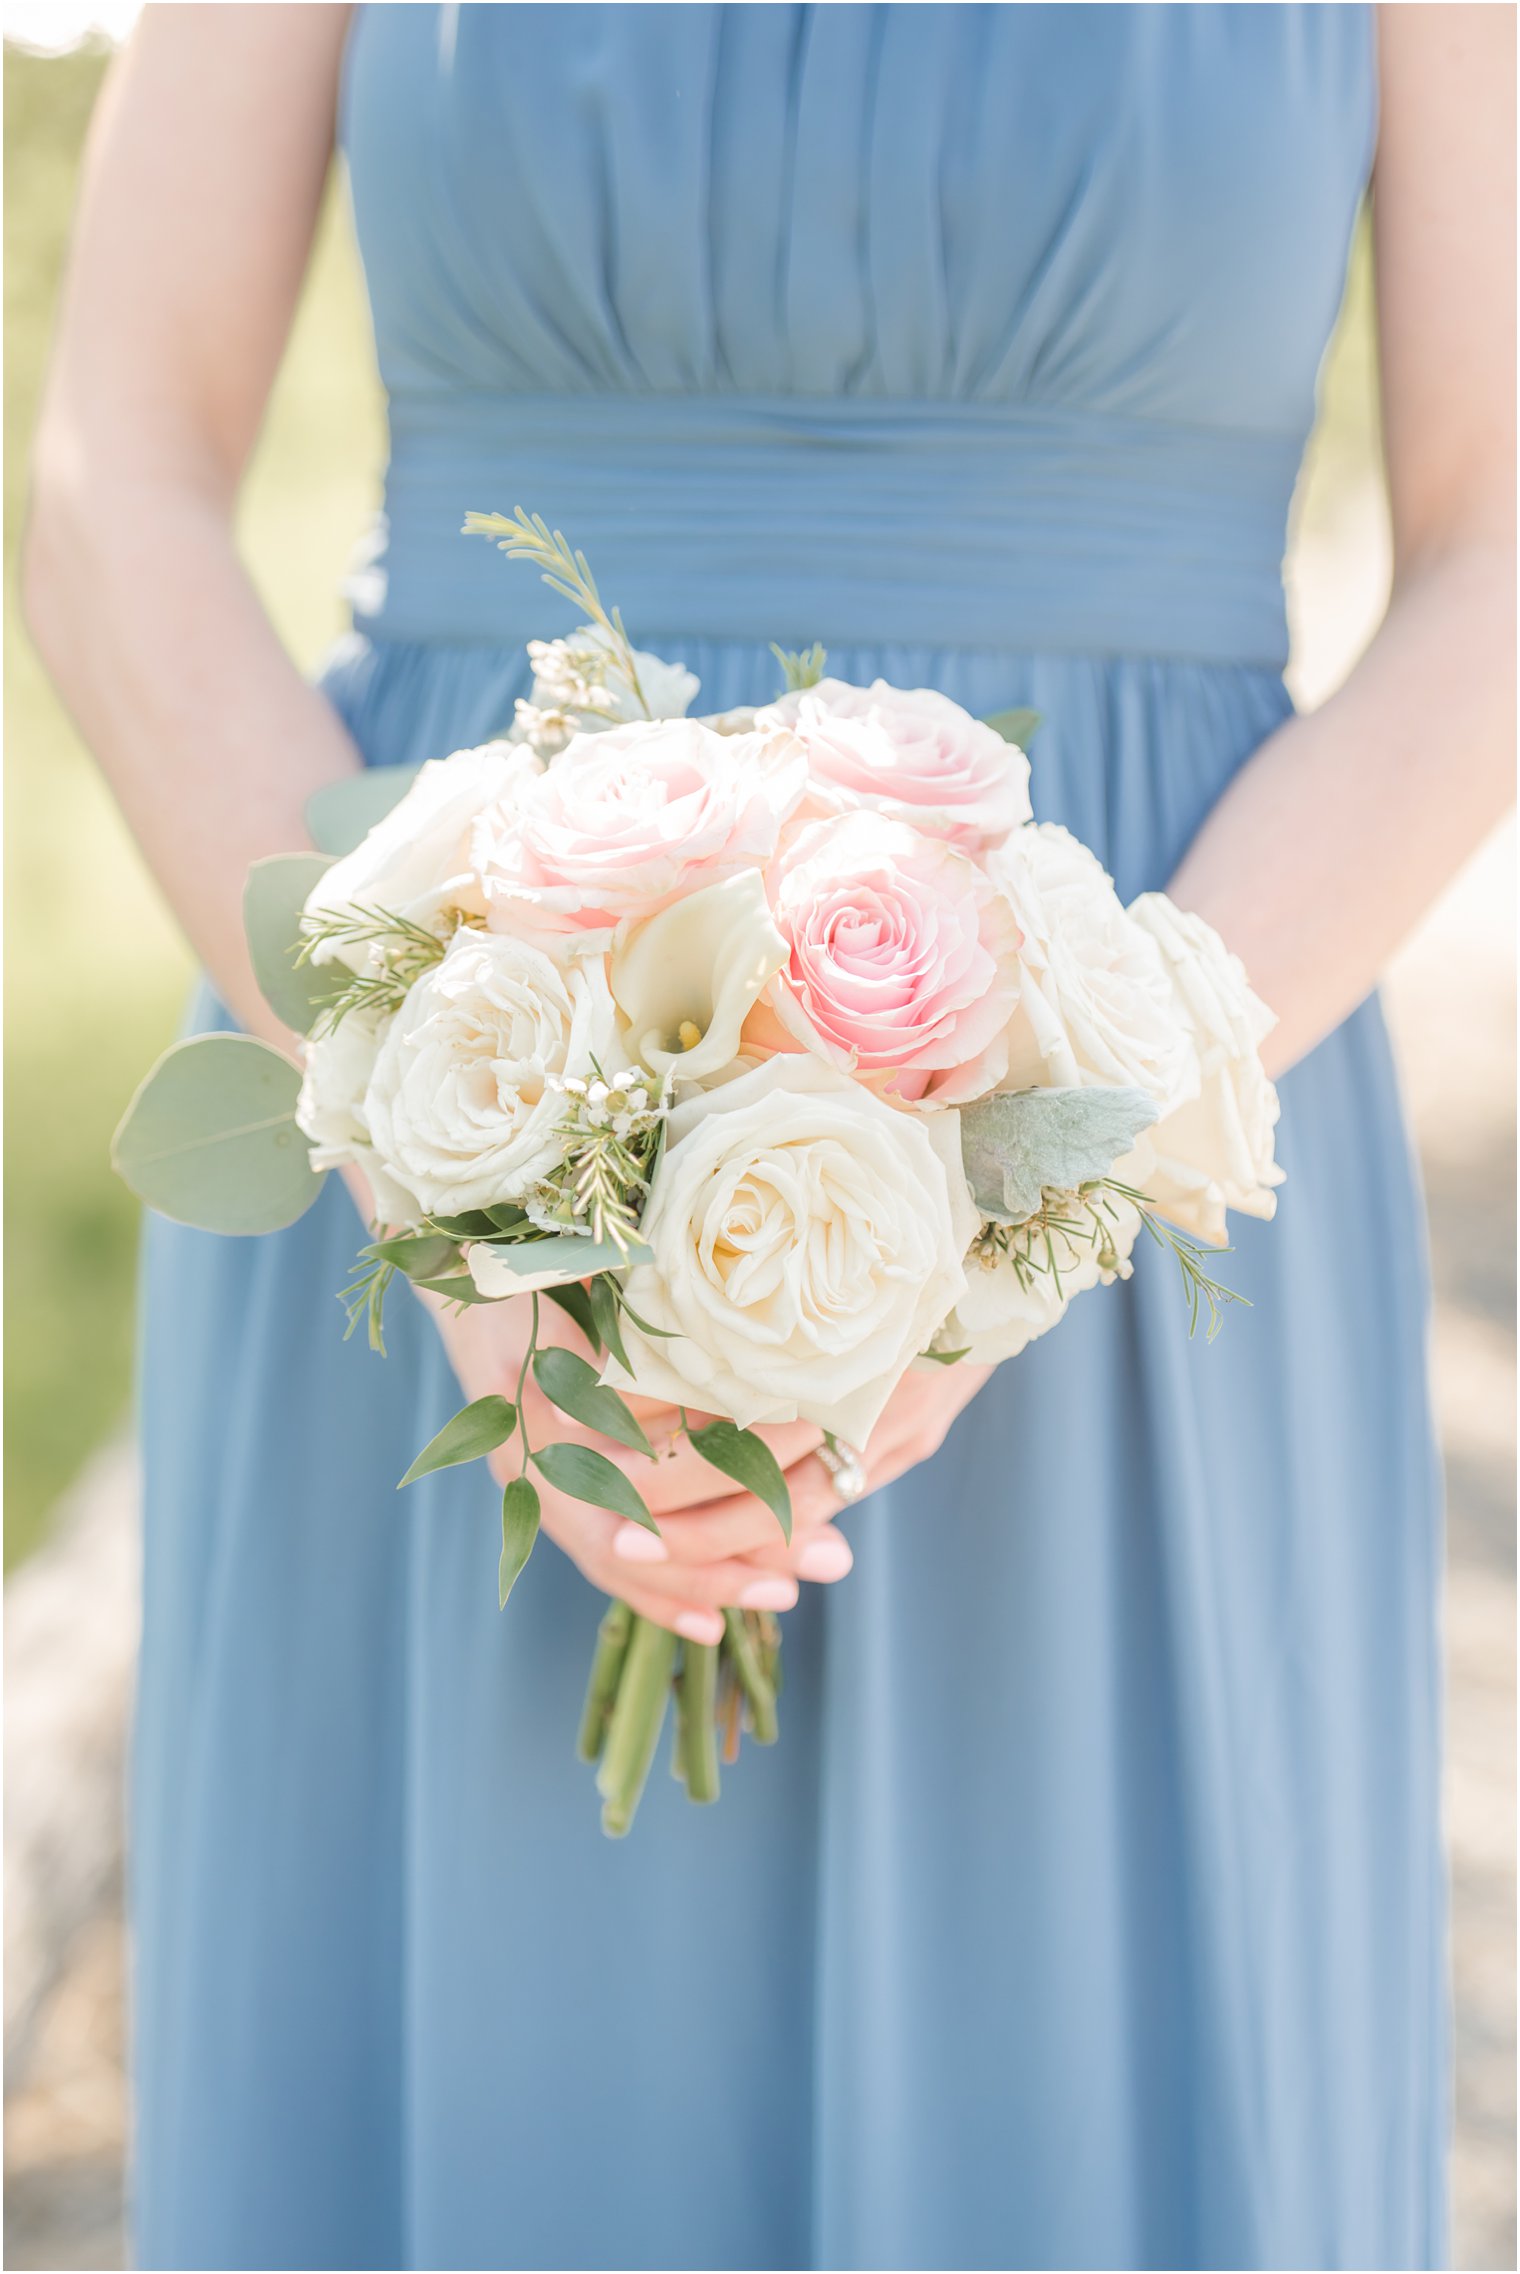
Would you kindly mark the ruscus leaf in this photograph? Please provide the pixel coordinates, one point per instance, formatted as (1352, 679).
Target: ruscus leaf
(749, 1461)
(574, 1301)
(587, 1475)
(475, 1430)
(519, 1530)
(568, 1382)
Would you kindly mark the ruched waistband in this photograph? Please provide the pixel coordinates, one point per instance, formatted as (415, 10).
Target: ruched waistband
(855, 523)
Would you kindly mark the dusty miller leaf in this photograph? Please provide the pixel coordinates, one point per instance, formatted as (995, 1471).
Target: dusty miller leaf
(1018, 1144)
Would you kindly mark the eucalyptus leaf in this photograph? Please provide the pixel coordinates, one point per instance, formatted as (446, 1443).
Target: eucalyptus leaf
(740, 1454)
(1014, 726)
(475, 1430)
(211, 1140)
(341, 814)
(569, 1383)
(587, 1475)
(519, 1530)
(538, 1264)
(1018, 1144)
(273, 898)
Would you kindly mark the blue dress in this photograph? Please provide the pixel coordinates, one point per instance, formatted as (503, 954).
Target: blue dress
(1090, 1911)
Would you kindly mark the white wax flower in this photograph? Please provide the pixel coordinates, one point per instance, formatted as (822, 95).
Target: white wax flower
(1215, 1151)
(808, 1241)
(462, 1107)
(1003, 1310)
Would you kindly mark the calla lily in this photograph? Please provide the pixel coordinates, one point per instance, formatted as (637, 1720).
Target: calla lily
(685, 979)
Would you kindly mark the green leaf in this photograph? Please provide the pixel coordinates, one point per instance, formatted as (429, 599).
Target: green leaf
(519, 1530)
(576, 1304)
(421, 1255)
(604, 1313)
(740, 1454)
(475, 1223)
(1017, 1144)
(273, 898)
(569, 1383)
(946, 1357)
(210, 1139)
(586, 1475)
(457, 1287)
(476, 1429)
(559, 1259)
(662, 1334)
(341, 814)
(1014, 726)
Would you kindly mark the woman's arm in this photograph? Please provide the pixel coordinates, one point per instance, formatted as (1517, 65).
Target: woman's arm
(202, 181)
(1343, 828)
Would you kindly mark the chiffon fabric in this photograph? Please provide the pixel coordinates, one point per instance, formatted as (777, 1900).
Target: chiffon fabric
(1089, 1912)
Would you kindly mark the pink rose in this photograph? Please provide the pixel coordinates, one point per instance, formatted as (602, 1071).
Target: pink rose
(910, 753)
(901, 958)
(625, 821)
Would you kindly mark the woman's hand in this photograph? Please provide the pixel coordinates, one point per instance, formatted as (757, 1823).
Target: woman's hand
(487, 1344)
(914, 1426)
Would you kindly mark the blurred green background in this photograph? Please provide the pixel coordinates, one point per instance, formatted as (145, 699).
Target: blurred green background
(96, 975)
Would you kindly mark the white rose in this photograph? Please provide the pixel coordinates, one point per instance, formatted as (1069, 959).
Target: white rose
(1003, 1309)
(1096, 1003)
(460, 1106)
(908, 752)
(415, 862)
(1215, 1151)
(807, 1244)
(330, 1111)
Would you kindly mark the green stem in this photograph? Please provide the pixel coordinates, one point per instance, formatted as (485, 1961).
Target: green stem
(634, 1730)
(699, 1719)
(522, 1376)
(606, 1666)
(745, 1657)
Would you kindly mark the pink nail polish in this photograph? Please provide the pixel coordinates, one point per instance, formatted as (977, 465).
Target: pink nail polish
(700, 1626)
(769, 1595)
(827, 1558)
(632, 1544)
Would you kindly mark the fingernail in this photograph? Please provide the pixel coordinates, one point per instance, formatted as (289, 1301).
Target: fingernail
(634, 1545)
(769, 1595)
(701, 1626)
(828, 1558)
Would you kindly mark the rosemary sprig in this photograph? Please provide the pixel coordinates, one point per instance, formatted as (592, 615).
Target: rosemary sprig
(1082, 1222)
(405, 951)
(528, 537)
(364, 1298)
(800, 670)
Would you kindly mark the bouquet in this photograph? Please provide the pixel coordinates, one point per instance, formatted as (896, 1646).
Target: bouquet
(782, 1049)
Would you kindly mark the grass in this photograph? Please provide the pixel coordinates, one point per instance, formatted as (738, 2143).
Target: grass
(96, 974)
